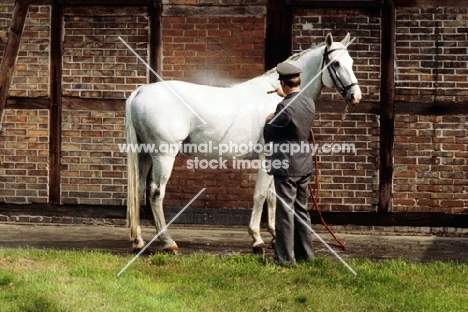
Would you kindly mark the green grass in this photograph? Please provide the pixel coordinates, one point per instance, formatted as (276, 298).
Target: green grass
(34, 280)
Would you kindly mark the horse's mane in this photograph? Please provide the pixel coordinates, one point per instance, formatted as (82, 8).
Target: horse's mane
(297, 56)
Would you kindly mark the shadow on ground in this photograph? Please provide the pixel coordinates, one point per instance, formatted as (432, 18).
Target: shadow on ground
(229, 240)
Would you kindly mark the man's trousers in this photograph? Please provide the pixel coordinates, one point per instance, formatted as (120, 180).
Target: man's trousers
(293, 234)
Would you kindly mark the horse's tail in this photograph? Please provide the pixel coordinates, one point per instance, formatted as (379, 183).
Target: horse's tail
(133, 202)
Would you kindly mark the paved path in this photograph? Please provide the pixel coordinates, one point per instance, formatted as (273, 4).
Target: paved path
(228, 240)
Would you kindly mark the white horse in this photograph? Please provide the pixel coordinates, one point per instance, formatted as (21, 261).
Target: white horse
(173, 112)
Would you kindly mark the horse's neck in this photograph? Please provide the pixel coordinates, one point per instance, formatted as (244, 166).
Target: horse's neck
(310, 62)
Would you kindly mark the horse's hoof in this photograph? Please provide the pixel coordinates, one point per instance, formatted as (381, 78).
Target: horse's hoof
(173, 250)
(138, 245)
(137, 251)
(259, 249)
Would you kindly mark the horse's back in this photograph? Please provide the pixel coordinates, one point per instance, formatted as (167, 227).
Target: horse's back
(176, 111)
(179, 97)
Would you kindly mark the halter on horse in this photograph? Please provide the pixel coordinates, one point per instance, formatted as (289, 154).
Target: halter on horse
(339, 85)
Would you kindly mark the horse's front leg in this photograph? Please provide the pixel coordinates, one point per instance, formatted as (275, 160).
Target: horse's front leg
(261, 194)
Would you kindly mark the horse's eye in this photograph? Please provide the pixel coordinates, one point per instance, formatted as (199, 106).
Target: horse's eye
(336, 64)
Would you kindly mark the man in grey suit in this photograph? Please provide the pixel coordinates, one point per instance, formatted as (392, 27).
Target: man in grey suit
(291, 123)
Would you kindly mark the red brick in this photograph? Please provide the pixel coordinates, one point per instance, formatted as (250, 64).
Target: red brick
(452, 203)
(404, 202)
(173, 20)
(428, 202)
(106, 174)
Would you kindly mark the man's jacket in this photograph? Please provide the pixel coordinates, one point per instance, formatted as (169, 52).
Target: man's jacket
(289, 131)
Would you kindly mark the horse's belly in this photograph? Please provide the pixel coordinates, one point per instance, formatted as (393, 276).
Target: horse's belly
(231, 146)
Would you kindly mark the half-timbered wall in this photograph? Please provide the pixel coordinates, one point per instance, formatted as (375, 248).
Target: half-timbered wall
(64, 117)
(24, 141)
(431, 146)
(97, 65)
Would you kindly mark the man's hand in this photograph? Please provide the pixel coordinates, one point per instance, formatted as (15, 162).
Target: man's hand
(270, 116)
(278, 91)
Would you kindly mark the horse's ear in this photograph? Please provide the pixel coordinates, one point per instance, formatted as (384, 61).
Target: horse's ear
(346, 40)
(329, 40)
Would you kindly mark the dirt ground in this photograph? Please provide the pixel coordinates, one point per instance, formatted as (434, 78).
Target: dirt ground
(229, 240)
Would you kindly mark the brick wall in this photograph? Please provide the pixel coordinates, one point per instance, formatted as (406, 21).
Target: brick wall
(431, 151)
(96, 64)
(348, 177)
(93, 171)
(24, 147)
(31, 73)
(348, 181)
(210, 42)
(431, 164)
(213, 50)
(24, 143)
(432, 46)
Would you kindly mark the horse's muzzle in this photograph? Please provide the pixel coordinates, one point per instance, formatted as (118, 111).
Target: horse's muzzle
(354, 95)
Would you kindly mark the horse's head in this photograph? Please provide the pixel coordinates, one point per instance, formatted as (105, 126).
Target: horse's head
(339, 73)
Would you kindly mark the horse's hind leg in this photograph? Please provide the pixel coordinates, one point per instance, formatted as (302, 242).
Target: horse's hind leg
(144, 164)
(162, 167)
(261, 193)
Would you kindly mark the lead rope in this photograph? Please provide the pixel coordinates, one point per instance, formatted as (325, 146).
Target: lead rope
(315, 197)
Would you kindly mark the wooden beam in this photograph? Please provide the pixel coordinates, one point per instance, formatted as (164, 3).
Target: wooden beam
(323, 106)
(337, 107)
(55, 113)
(155, 41)
(238, 217)
(387, 110)
(101, 11)
(362, 4)
(417, 219)
(31, 2)
(104, 2)
(213, 10)
(430, 3)
(28, 103)
(336, 3)
(432, 108)
(108, 105)
(278, 41)
(11, 52)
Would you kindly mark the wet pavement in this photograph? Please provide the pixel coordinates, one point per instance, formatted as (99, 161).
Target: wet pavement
(230, 240)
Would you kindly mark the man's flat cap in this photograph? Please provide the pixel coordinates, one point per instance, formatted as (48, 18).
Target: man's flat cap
(286, 70)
